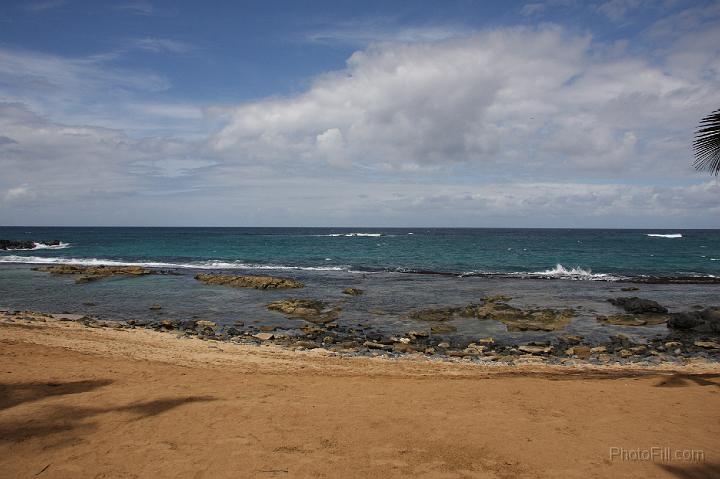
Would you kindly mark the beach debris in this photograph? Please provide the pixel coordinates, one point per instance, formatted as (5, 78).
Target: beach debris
(86, 274)
(353, 291)
(256, 282)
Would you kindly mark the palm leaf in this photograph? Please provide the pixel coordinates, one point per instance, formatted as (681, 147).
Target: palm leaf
(707, 144)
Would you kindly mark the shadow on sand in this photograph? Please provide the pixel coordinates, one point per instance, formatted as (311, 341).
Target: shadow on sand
(692, 471)
(53, 419)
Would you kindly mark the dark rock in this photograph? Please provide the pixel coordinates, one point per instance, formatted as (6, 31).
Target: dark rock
(256, 282)
(308, 309)
(637, 305)
(685, 320)
(634, 319)
(353, 291)
(630, 288)
(155, 307)
(93, 273)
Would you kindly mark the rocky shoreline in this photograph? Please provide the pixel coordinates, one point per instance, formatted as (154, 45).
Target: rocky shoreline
(679, 348)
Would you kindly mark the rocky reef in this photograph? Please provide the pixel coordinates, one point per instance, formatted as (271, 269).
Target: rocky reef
(494, 308)
(86, 274)
(256, 282)
(24, 244)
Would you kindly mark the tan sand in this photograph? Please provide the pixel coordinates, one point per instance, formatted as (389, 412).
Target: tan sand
(79, 402)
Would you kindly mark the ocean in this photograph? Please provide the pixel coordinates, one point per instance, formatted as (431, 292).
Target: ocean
(400, 270)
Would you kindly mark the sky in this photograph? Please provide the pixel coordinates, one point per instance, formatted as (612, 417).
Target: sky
(463, 113)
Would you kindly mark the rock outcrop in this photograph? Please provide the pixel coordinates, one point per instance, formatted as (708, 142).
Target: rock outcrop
(256, 282)
(86, 274)
(25, 244)
(310, 310)
(637, 305)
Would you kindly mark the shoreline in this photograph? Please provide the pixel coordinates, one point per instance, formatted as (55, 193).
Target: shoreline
(99, 401)
(35, 322)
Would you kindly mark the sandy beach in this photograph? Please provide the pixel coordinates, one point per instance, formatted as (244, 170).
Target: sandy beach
(113, 403)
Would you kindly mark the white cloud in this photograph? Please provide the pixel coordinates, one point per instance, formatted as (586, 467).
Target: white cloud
(528, 102)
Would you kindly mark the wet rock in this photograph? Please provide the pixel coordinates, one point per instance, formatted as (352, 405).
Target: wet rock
(169, 324)
(403, 348)
(353, 291)
(256, 282)
(487, 340)
(496, 298)
(266, 328)
(415, 335)
(155, 307)
(231, 331)
(598, 349)
(24, 244)
(443, 328)
(637, 305)
(706, 321)
(92, 273)
(68, 317)
(630, 288)
(308, 309)
(634, 319)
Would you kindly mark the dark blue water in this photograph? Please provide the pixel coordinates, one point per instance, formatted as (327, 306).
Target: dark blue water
(583, 254)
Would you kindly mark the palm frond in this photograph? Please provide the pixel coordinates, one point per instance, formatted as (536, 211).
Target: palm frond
(707, 144)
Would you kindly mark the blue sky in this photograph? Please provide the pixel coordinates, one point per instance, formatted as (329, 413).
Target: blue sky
(559, 113)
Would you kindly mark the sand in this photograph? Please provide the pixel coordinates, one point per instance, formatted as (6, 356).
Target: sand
(79, 402)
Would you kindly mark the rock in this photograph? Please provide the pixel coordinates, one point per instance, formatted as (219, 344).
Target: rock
(24, 244)
(443, 328)
(169, 324)
(429, 350)
(267, 329)
(486, 341)
(707, 344)
(375, 345)
(706, 320)
(308, 309)
(496, 298)
(233, 331)
(630, 288)
(673, 344)
(202, 324)
(572, 338)
(256, 282)
(582, 352)
(444, 345)
(624, 353)
(598, 349)
(637, 305)
(94, 272)
(418, 334)
(68, 317)
(155, 307)
(634, 319)
(86, 278)
(264, 336)
(353, 291)
(535, 349)
(403, 348)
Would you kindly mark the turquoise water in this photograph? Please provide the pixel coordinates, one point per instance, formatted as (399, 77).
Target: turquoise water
(592, 254)
(578, 269)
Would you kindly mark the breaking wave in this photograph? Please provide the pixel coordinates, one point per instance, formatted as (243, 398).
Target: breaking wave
(577, 273)
(38, 246)
(673, 235)
(211, 264)
(353, 234)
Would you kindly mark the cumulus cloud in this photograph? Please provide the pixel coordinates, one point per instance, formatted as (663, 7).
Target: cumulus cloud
(505, 127)
(521, 100)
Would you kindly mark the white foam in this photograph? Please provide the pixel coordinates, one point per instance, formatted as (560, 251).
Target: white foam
(673, 235)
(212, 264)
(559, 271)
(43, 246)
(352, 234)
